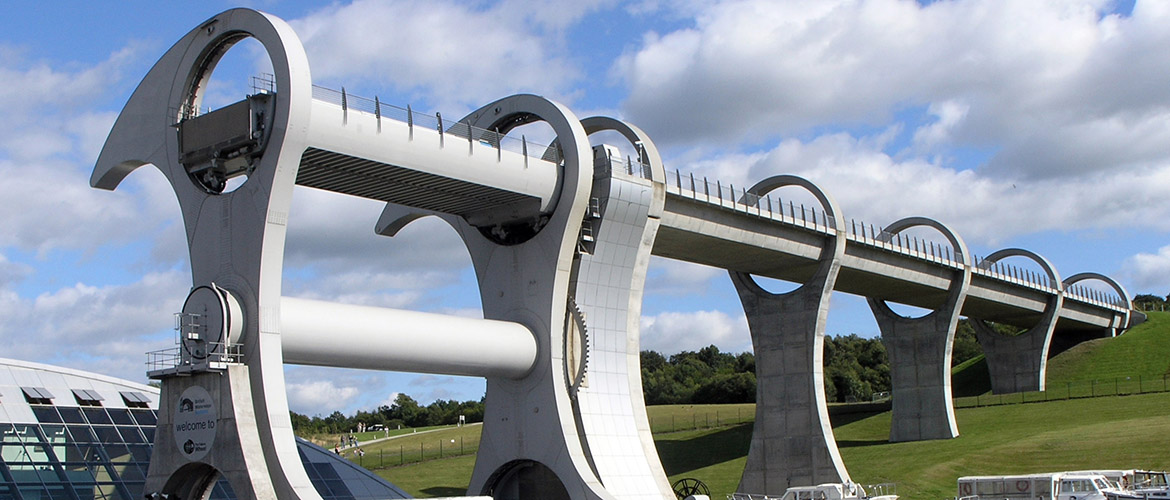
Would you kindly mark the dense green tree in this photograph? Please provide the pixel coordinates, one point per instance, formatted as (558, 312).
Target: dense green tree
(727, 388)
(966, 346)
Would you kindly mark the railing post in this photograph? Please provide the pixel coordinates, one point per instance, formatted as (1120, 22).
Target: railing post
(439, 117)
(344, 108)
(524, 150)
(378, 113)
(470, 145)
(410, 122)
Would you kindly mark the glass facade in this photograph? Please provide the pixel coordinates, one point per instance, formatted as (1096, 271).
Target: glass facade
(86, 451)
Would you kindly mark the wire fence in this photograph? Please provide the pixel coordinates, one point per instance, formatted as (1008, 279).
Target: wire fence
(387, 456)
(1118, 386)
(704, 420)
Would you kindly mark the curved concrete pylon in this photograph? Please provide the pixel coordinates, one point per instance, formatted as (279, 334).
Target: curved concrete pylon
(1019, 363)
(236, 242)
(531, 446)
(792, 439)
(610, 406)
(1122, 293)
(920, 350)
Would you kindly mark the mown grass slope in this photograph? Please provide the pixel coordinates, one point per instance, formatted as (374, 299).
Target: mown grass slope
(1102, 432)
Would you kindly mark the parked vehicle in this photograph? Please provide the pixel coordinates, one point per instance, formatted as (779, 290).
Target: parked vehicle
(827, 491)
(1045, 486)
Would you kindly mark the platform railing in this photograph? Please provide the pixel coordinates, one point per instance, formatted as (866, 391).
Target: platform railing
(726, 196)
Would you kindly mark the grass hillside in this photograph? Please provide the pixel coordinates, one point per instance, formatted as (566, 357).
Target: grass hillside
(1143, 351)
(1090, 433)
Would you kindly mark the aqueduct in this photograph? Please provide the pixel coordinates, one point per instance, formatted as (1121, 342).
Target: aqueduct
(560, 238)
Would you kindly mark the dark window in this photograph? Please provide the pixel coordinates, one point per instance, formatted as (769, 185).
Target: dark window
(120, 416)
(145, 417)
(71, 415)
(96, 416)
(46, 414)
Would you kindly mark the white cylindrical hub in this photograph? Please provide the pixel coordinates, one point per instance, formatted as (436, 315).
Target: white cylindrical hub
(342, 335)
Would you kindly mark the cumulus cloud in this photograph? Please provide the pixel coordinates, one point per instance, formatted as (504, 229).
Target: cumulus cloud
(106, 328)
(458, 55)
(1054, 87)
(872, 186)
(673, 277)
(1149, 272)
(308, 398)
(672, 332)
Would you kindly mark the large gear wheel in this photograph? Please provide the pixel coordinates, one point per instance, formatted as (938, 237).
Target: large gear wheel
(576, 348)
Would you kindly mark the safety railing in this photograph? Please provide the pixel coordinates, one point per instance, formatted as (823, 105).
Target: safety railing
(172, 360)
(454, 131)
(718, 193)
(727, 196)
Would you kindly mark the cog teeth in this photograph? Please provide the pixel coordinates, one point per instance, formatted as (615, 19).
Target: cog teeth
(576, 347)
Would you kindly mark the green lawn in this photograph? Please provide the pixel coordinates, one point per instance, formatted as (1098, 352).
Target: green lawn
(1108, 432)
(1100, 433)
(1111, 432)
(1143, 351)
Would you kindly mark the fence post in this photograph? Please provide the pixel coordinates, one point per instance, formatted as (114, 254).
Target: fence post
(460, 445)
(440, 448)
(401, 457)
(421, 453)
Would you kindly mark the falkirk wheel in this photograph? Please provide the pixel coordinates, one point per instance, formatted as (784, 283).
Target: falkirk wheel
(560, 237)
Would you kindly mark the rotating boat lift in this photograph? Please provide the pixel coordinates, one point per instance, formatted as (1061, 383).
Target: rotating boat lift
(560, 242)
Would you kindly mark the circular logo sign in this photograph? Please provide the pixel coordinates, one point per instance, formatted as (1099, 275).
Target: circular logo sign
(195, 421)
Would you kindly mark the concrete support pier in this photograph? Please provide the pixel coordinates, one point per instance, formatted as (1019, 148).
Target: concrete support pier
(792, 441)
(1018, 363)
(920, 351)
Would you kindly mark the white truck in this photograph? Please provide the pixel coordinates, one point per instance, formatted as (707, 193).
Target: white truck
(1046, 486)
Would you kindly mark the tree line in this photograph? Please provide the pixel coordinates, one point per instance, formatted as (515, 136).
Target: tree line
(403, 412)
(855, 368)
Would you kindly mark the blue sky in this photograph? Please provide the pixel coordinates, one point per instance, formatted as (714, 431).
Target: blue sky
(1042, 125)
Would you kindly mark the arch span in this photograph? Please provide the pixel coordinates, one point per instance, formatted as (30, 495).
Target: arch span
(920, 350)
(1049, 269)
(1122, 293)
(778, 181)
(1020, 363)
(957, 243)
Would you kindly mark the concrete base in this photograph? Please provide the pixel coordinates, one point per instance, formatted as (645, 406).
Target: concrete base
(920, 371)
(1016, 364)
(792, 441)
(236, 455)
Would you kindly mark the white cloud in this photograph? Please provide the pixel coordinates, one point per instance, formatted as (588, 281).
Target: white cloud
(673, 332)
(1149, 272)
(310, 397)
(674, 277)
(948, 115)
(459, 55)
(12, 272)
(873, 187)
(106, 328)
(1054, 87)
